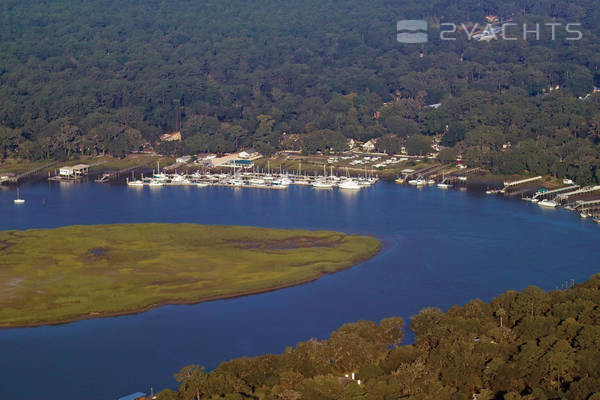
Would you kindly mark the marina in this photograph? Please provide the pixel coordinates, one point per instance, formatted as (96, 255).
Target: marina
(251, 179)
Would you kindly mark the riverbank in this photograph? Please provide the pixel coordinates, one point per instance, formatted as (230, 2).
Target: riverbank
(53, 276)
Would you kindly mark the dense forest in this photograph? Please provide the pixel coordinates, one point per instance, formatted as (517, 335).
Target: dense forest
(95, 76)
(531, 345)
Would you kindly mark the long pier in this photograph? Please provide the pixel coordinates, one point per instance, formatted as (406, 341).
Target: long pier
(521, 182)
(587, 189)
(555, 191)
(108, 176)
(587, 205)
(15, 179)
(423, 172)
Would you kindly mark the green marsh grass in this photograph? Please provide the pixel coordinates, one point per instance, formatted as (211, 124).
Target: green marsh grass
(58, 275)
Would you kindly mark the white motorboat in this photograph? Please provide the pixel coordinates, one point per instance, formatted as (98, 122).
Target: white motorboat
(350, 184)
(322, 184)
(548, 204)
(136, 182)
(284, 182)
(443, 185)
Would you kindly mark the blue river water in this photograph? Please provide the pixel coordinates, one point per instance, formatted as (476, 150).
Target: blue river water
(441, 248)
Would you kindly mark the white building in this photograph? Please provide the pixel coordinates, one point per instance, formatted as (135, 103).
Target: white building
(370, 145)
(246, 154)
(75, 171)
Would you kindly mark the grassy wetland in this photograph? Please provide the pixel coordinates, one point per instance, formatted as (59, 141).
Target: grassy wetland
(50, 276)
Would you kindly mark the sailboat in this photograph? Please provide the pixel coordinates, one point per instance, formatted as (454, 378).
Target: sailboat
(19, 200)
(349, 183)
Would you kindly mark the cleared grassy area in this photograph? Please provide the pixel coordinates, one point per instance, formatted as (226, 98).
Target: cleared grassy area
(106, 163)
(58, 275)
(20, 166)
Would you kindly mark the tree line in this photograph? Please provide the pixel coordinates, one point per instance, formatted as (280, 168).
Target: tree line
(84, 78)
(521, 345)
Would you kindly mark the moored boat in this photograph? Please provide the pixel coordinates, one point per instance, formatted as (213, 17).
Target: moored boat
(548, 204)
(136, 182)
(350, 184)
(19, 200)
(322, 184)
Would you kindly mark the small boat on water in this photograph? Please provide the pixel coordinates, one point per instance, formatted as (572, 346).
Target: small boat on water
(597, 220)
(399, 180)
(416, 182)
(202, 184)
(584, 215)
(19, 200)
(136, 182)
(155, 183)
(322, 184)
(431, 182)
(547, 204)
(350, 184)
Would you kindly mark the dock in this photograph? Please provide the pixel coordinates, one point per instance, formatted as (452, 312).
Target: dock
(109, 176)
(586, 206)
(74, 173)
(584, 190)
(555, 191)
(16, 178)
(521, 182)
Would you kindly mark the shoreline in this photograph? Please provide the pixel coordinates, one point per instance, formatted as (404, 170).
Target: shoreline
(281, 286)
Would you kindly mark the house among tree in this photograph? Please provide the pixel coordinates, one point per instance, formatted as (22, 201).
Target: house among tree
(247, 154)
(370, 145)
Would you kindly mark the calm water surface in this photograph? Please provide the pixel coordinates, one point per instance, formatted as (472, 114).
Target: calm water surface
(442, 248)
